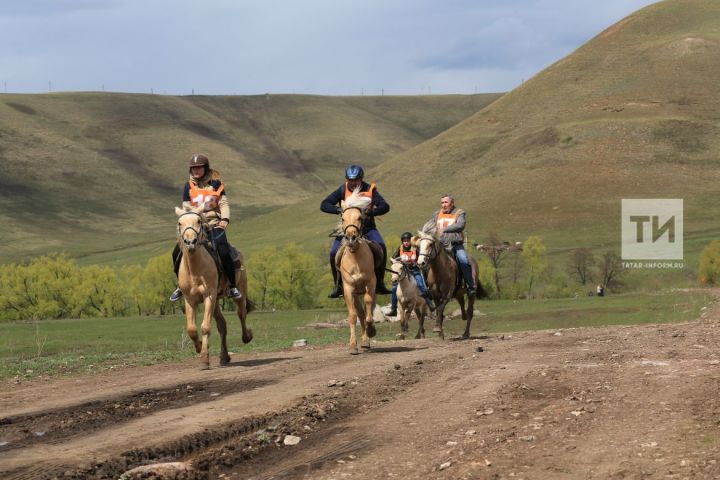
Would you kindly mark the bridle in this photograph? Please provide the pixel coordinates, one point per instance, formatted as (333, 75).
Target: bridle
(352, 244)
(200, 234)
(433, 250)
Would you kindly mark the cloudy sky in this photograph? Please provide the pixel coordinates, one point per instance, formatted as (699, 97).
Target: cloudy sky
(333, 47)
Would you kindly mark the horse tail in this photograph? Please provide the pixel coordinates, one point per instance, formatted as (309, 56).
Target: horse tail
(480, 290)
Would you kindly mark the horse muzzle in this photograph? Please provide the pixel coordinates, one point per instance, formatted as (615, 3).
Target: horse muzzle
(190, 244)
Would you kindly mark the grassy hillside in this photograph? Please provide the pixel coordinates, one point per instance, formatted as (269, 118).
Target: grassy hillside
(634, 113)
(98, 172)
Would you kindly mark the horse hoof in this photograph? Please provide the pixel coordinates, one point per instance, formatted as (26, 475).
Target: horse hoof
(365, 345)
(371, 330)
(353, 351)
(224, 362)
(400, 336)
(437, 329)
(247, 338)
(441, 335)
(204, 367)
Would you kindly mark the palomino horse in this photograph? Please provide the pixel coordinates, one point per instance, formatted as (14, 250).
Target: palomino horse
(409, 299)
(357, 267)
(201, 281)
(442, 279)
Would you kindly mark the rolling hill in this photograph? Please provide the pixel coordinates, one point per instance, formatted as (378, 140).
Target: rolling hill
(633, 113)
(100, 173)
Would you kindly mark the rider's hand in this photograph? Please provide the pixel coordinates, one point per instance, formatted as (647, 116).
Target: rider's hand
(223, 224)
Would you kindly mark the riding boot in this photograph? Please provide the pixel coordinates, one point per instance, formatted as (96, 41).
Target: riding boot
(467, 275)
(393, 302)
(228, 266)
(176, 256)
(380, 288)
(337, 291)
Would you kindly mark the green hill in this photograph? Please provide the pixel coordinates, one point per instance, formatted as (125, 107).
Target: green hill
(98, 172)
(633, 113)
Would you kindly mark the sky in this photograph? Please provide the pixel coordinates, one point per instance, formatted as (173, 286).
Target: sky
(324, 47)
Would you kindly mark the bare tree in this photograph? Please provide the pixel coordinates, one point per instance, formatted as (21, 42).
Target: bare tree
(497, 250)
(611, 270)
(580, 264)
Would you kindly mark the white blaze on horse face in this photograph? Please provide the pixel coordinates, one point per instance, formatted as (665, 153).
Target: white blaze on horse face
(423, 251)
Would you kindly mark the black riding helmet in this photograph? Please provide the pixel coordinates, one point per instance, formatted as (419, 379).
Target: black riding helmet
(406, 236)
(353, 172)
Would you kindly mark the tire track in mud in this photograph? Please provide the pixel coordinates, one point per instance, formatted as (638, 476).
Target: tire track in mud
(59, 425)
(249, 443)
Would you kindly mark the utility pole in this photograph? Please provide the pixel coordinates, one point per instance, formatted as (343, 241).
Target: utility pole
(49, 85)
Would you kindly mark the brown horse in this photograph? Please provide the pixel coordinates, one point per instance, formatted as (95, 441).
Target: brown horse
(442, 279)
(201, 281)
(357, 266)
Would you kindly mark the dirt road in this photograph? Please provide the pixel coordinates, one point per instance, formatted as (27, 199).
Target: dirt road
(605, 403)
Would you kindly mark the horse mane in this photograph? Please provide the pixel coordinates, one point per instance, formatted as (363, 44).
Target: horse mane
(355, 200)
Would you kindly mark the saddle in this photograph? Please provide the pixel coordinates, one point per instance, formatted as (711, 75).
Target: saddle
(375, 248)
(459, 279)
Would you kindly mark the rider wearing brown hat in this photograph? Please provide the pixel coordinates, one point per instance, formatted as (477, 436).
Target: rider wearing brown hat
(204, 188)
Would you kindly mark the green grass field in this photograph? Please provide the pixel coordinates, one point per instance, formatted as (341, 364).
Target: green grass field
(63, 347)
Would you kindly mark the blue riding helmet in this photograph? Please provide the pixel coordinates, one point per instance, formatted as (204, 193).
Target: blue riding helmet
(353, 172)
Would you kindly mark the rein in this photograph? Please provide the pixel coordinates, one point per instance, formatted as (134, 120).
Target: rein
(362, 221)
(433, 251)
(199, 233)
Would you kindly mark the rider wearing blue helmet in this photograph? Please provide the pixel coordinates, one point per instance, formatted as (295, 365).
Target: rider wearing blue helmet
(354, 179)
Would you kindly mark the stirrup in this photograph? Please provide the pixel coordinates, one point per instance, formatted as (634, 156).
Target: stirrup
(176, 295)
(234, 293)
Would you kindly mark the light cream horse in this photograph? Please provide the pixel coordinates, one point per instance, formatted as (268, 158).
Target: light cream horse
(409, 299)
(201, 280)
(443, 279)
(357, 267)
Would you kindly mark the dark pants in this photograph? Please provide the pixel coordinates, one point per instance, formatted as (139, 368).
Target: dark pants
(219, 238)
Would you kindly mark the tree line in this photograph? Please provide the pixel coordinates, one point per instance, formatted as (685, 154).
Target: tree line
(56, 286)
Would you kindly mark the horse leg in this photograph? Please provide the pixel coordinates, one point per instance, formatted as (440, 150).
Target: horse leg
(247, 333)
(369, 309)
(439, 315)
(222, 329)
(403, 321)
(461, 300)
(361, 313)
(420, 313)
(207, 320)
(470, 311)
(191, 327)
(352, 320)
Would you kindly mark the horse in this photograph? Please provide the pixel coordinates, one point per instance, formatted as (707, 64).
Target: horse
(442, 279)
(409, 299)
(356, 264)
(201, 280)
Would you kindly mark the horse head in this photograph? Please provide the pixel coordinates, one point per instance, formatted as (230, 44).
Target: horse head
(428, 247)
(354, 212)
(191, 227)
(398, 270)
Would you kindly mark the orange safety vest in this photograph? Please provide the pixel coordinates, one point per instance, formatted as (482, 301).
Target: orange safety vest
(409, 256)
(444, 220)
(368, 194)
(208, 195)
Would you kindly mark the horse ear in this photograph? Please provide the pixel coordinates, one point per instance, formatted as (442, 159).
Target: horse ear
(179, 211)
(199, 210)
